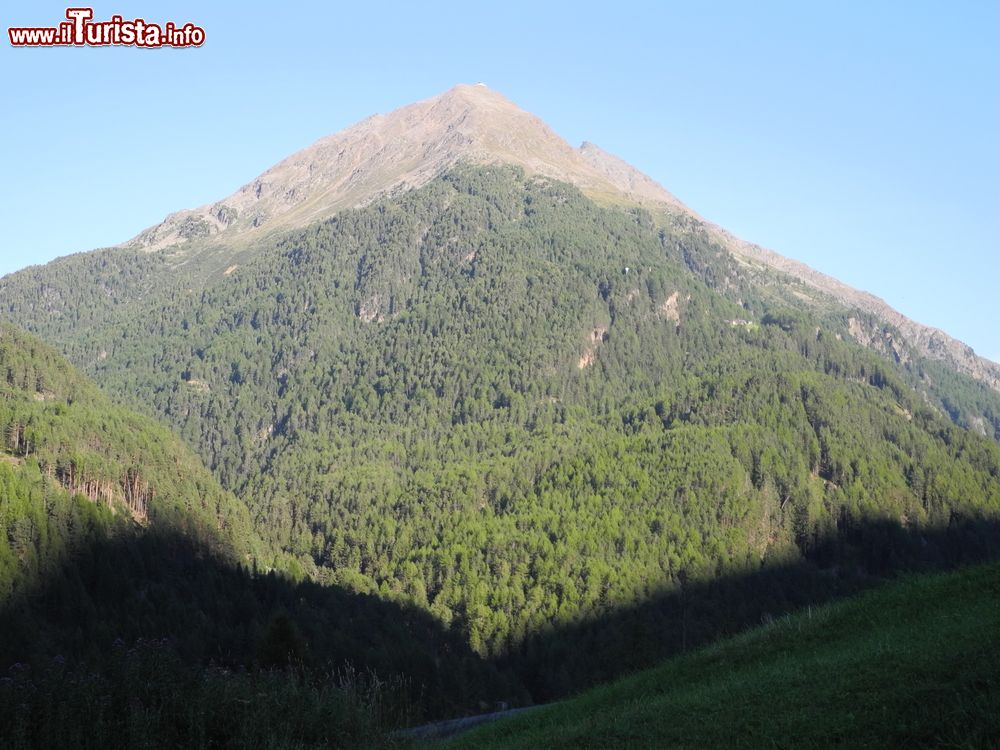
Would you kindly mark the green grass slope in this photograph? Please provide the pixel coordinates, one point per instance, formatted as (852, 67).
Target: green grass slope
(915, 664)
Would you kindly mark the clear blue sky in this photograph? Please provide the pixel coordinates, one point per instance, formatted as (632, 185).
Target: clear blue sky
(860, 137)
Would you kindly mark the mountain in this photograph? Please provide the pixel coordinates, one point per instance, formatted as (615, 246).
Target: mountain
(386, 154)
(515, 387)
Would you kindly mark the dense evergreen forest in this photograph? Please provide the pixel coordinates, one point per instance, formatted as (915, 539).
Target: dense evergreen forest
(560, 441)
(106, 589)
(75, 469)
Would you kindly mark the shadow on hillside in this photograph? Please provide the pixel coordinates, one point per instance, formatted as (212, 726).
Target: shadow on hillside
(570, 658)
(161, 585)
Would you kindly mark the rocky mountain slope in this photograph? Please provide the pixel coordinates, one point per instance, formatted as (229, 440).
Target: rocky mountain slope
(402, 150)
(925, 340)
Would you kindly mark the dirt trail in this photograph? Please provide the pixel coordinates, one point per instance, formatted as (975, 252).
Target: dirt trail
(449, 728)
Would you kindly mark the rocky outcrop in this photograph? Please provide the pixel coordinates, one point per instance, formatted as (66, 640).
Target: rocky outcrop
(929, 342)
(596, 337)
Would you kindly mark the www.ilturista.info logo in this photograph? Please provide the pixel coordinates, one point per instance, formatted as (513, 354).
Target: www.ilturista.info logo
(80, 30)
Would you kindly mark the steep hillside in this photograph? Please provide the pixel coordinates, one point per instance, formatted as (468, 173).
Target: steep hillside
(405, 149)
(386, 155)
(72, 301)
(879, 326)
(518, 411)
(913, 665)
(74, 468)
(120, 556)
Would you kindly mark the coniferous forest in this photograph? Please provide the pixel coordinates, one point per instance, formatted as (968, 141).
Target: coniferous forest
(484, 442)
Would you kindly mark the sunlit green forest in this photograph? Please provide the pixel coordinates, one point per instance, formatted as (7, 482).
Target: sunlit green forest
(527, 443)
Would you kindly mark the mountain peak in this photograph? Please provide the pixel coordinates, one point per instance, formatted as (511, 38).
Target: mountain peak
(475, 92)
(401, 150)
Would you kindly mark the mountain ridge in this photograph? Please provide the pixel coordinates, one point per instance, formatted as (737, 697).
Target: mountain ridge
(406, 148)
(403, 149)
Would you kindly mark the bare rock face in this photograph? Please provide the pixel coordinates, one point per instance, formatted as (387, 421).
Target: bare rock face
(670, 308)
(596, 337)
(402, 150)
